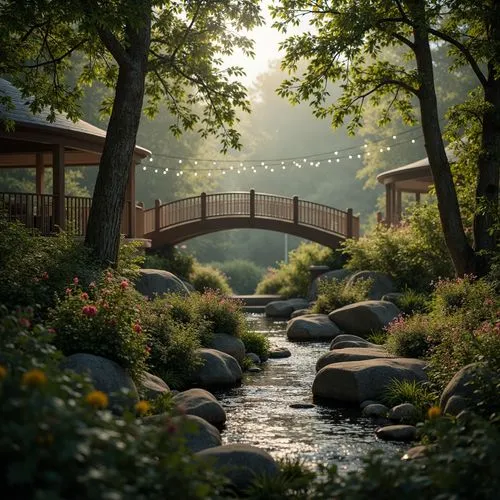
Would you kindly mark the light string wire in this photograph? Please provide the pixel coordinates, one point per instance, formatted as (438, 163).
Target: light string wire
(185, 164)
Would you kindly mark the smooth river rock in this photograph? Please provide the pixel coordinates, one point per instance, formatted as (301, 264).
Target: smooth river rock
(153, 386)
(357, 381)
(284, 308)
(381, 283)
(347, 340)
(350, 354)
(154, 282)
(397, 433)
(363, 318)
(219, 369)
(329, 276)
(202, 404)
(229, 344)
(312, 327)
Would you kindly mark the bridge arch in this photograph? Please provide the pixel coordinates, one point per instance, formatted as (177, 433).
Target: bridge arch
(174, 222)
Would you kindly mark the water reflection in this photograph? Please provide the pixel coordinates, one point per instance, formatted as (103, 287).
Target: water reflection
(259, 413)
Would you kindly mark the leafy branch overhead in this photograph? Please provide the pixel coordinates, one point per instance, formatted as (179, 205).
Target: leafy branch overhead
(185, 67)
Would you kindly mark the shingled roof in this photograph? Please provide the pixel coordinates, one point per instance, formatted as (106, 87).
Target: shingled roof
(34, 133)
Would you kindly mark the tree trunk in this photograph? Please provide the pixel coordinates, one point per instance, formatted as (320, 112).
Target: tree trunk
(103, 230)
(460, 251)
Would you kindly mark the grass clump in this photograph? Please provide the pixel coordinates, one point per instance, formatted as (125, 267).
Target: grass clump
(256, 342)
(410, 391)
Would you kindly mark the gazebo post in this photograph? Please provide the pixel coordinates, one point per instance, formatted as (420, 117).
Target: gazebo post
(40, 174)
(417, 198)
(388, 203)
(58, 185)
(399, 208)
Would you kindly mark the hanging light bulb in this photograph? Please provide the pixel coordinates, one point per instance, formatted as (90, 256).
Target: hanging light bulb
(196, 174)
(413, 141)
(151, 158)
(336, 153)
(329, 160)
(359, 156)
(180, 162)
(239, 171)
(223, 172)
(272, 170)
(350, 157)
(195, 162)
(177, 174)
(209, 174)
(394, 137)
(338, 160)
(388, 148)
(144, 168)
(283, 167)
(156, 170)
(181, 172)
(244, 168)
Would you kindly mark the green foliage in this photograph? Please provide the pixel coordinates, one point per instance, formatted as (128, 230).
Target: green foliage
(35, 269)
(172, 344)
(412, 302)
(170, 259)
(333, 294)
(105, 320)
(410, 391)
(414, 254)
(130, 259)
(292, 279)
(56, 441)
(256, 342)
(413, 336)
(243, 275)
(205, 278)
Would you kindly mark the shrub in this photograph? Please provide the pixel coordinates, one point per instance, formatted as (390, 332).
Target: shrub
(243, 275)
(208, 278)
(104, 320)
(413, 336)
(36, 269)
(256, 342)
(292, 279)
(223, 315)
(412, 302)
(334, 294)
(414, 254)
(58, 441)
(172, 344)
(171, 259)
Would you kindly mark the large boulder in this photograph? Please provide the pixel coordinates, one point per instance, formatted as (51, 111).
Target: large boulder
(350, 354)
(152, 386)
(218, 369)
(106, 376)
(357, 381)
(397, 433)
(153, 282)
(312, 327)
(202, 404)
(346, 340)
(284, 308)
(362, 318)
(196, 431)
(229, 344)
(241, 463)
(460, 391)
(381, 283)
(329, 276)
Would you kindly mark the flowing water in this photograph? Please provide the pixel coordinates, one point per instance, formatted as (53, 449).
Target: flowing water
(259, 412)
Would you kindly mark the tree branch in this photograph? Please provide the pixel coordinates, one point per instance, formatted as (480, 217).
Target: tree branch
(464, 50)
(114, 46)
(56, 60)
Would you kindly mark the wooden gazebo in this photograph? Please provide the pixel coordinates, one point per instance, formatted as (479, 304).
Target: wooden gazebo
(37, 143)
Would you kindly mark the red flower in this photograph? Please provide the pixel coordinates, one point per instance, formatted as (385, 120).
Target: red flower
(84, 296)
(75, 280)
(51, 330)
(45, 275)
(89, 311)
(24, 322)
(137, 328)
(124, 284)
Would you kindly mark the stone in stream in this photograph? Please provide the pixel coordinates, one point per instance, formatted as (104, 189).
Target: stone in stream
(363, 318)
(229, 344)
(375, 410)
(357, 381)
(202, 404)
(254, 358)
(284, 308)
(312, 327)
(347, 340)
(405, 412)
(350, 354)
(279, 352)
(397, 433)
(218, 369)
(302, 406)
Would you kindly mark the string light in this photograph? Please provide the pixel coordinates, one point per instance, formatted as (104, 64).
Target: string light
(313, 160)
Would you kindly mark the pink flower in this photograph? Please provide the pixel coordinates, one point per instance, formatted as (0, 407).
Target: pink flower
(137, 328)
(124, 284)
(84, 296)
(75, 280)
(45, 275)
(68, 291)
(24, 322)
(51, 331)
(89, 311)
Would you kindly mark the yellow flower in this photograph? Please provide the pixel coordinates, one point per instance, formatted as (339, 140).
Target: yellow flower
(142, 407)
(34, 378)
(3, 372)
(97, 399)
(434, 412)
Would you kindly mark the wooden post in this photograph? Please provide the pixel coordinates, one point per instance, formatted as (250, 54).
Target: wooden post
(139, 227)
(252, 204)
(349, 228)
(388, 204)
(157, 215)
(130, 202)
(203, 198)
(295, 209)
(399, 206)
(40, 174)
(58, 186)
(417, 198)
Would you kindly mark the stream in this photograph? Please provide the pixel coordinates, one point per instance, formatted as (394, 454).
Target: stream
(259, 412)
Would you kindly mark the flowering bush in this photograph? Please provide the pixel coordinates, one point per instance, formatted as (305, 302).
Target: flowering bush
(57, 439)
(105, 320)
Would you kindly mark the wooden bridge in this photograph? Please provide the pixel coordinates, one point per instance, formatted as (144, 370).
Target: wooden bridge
(177, 221)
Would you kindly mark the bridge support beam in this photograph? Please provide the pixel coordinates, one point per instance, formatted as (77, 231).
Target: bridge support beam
(295, 209)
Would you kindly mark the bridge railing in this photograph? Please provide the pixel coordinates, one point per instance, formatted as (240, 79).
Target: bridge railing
(250, 204)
